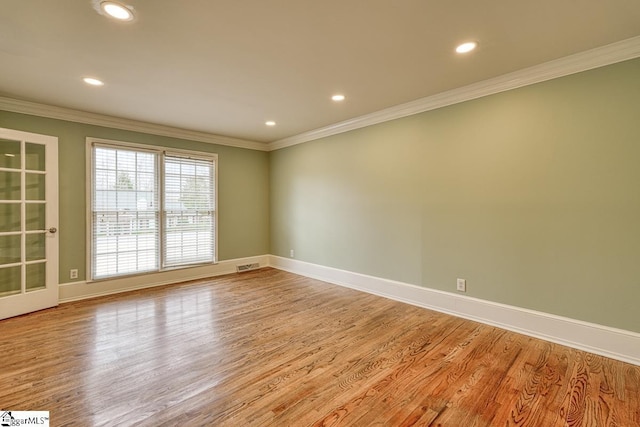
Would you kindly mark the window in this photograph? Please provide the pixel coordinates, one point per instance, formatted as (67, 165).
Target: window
(125, 214)
(188, 211)
(151, 209)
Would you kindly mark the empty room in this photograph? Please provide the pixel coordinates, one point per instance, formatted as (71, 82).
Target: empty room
(334, 213)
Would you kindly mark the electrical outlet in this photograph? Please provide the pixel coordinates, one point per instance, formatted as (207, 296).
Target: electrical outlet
(292, 254)
(73, 273)
(461, 285)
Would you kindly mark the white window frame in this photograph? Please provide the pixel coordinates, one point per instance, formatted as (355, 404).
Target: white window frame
(160, 151)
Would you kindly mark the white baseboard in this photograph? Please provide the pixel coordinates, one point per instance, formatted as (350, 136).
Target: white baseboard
(603, 340)
(75, 291)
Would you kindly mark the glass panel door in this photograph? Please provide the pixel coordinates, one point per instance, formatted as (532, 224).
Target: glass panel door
(28, 222)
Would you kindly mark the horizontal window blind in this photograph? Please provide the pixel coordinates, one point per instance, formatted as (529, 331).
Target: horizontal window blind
(189, 211)
(125, 212)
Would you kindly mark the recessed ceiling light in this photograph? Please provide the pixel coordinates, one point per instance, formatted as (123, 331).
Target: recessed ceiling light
(270, 123)
(466, 47)
(93, 82)
(117, 10)
(338, 97)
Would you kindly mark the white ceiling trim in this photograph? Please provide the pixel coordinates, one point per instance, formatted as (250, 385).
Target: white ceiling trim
(583, 61)
(52, 112)
(594, 58)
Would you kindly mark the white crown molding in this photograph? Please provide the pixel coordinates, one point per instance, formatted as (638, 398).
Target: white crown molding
(603, 340)
(60, 113)
(583, 61)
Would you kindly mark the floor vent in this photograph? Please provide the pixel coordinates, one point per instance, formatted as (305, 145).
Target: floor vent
(247, 267)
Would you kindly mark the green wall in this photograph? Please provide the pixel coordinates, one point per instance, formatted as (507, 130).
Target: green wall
(532, 195)
(243, 186)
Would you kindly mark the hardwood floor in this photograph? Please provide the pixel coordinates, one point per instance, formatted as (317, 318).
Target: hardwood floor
(272, 348)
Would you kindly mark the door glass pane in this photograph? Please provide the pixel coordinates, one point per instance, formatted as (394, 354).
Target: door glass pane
(9, 185)
(9, 217)
(10, 249)
(9, 154)
(34, 157)
(36, 276)
(35, 215)
(35, 186)
(10, 280)
(35, 247)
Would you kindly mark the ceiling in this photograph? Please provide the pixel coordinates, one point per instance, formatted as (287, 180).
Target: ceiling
(225, 67)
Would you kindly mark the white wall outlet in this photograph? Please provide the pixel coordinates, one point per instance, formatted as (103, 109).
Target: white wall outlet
(73, 273)
(292, 254)
(461, 285)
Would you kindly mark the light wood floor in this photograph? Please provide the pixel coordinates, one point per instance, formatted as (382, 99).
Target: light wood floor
(272, 348)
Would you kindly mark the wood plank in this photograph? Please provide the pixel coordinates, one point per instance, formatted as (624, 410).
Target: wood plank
(272, 348)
